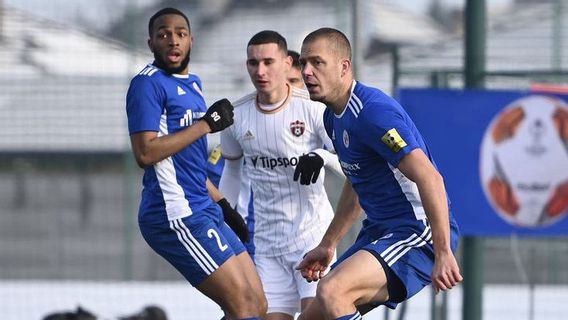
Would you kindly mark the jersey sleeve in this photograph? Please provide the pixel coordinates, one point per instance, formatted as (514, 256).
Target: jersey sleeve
(143, 105)
(387, 132)
(230, 147)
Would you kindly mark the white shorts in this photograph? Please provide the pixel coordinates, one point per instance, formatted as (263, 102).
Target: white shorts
(283, 285)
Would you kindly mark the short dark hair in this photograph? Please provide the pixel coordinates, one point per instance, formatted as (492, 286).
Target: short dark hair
(337, 40)
(164, 12)
(295, 59)
(269, 36)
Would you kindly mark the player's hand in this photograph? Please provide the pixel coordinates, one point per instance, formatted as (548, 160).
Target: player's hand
(234, 220)
(446, 273)
(315, 263)
(308, 168)
(219, 115)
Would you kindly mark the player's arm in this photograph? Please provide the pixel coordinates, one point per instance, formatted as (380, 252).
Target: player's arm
(347, 212)
(417, 167)
(214, 193)
(150, 149)
(316, 261)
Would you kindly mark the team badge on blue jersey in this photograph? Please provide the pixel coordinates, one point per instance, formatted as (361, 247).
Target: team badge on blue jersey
(393, 140)
(345, 139)
(297, 127)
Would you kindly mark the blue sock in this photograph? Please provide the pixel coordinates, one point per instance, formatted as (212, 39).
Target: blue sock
(353, 316)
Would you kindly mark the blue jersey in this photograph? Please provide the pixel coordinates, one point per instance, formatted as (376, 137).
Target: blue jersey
(157, 101)
(371, 137)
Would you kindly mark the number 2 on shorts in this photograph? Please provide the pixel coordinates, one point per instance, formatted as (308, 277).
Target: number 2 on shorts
(212, 233)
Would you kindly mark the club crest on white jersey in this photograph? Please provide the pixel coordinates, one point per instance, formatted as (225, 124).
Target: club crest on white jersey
(297, 127)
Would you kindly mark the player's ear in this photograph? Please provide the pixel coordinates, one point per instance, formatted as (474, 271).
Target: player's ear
(345, 67)
(150, 45)
(288, 62)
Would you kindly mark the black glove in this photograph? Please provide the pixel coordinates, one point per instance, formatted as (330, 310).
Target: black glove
(219, 116)
(234, 220)
(308, 168)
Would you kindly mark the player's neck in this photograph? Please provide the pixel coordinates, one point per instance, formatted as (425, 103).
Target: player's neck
(275, 96)
(274, 105)
(343, 95)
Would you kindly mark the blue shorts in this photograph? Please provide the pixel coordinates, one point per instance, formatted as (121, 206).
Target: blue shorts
(195, 245)
(406, 254)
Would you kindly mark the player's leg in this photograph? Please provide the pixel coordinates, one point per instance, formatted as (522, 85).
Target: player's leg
(358, 280)
(248, 275)
(228, 286)
(401, 263)
(198, 248)
(279, 287)
(253, 279)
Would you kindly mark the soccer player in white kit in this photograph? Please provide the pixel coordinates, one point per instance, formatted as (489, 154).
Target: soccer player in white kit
(273, 127)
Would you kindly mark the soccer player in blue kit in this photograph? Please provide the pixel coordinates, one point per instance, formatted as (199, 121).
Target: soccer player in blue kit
(409, 236)
(168, 122)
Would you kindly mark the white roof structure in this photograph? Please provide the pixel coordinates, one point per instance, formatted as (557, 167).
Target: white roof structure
(63, 89)
(523, 38)
(225, 41)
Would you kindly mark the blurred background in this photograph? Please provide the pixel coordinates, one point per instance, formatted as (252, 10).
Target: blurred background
(69, 187)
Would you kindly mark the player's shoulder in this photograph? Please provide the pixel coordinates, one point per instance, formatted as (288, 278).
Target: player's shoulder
(371, 100)
(303, 96)
(192, 77)
(149, 71)
(148, 76)
(247, 99)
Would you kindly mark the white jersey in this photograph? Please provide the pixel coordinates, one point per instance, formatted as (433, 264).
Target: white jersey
(288, 216)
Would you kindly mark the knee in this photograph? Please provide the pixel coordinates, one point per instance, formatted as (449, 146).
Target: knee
(328, 291)
(248, 302)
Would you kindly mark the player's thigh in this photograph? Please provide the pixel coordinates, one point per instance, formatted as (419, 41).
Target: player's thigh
(279, 284)
(358, 279)
(236, 277)
(229, 285)
(251, 274)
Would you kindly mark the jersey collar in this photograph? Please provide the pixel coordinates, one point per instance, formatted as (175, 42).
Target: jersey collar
(350, 97)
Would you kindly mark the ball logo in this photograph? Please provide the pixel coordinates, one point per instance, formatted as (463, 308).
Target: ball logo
(297, 127)
(524, 161)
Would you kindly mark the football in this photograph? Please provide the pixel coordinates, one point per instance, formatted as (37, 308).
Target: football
(524, 161)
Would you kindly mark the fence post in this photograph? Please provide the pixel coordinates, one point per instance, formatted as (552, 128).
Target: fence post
(474, 56)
